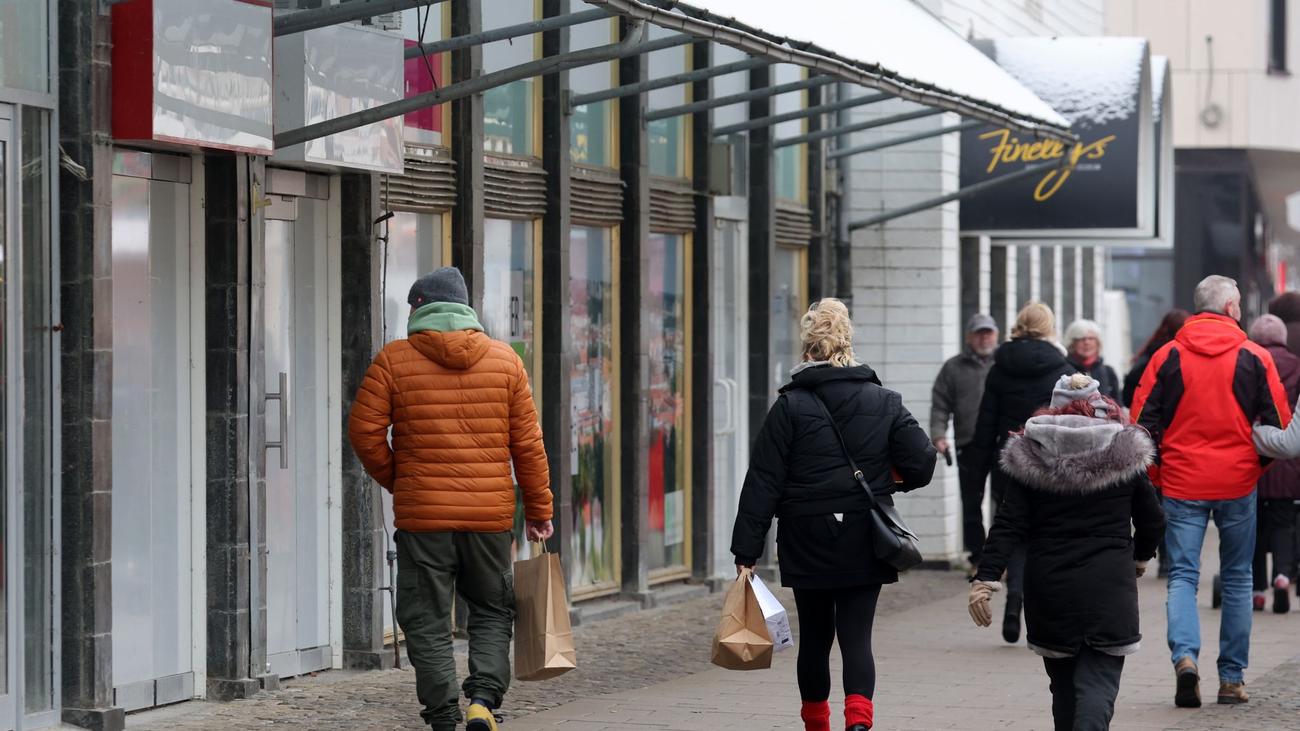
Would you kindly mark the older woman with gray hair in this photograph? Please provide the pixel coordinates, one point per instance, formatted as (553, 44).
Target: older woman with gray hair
(1279, 488)
(1083, 350)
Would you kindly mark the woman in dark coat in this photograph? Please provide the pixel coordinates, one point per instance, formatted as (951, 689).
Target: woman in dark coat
(1020, 382)
(1080, 498)
(1279, 488)
(799, 473)
(1170, 324)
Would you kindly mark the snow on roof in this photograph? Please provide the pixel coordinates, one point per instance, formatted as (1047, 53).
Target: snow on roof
(1091, 81)
(892, 45)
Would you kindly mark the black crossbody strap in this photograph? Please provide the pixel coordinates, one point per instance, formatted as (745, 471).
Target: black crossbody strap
(857, 473)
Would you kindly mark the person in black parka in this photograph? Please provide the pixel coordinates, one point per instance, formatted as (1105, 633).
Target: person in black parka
(1025, 370)
(799, 473)
(1080, 498)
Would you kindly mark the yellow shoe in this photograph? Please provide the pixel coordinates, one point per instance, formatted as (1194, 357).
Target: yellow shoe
(479, 718)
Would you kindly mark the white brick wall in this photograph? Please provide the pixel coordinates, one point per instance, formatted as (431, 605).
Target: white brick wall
(906, 296)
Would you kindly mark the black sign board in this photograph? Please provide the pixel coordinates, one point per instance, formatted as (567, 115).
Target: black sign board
(1105, 185)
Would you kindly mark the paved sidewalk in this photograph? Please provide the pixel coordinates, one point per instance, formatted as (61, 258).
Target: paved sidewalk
(938, 671)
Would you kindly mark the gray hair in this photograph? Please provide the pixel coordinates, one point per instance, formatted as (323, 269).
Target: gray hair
(1214, 293)
(1080, 329)
(1268, 330)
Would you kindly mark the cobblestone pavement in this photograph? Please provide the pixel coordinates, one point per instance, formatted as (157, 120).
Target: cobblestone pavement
(1274, 704)
(626, 653)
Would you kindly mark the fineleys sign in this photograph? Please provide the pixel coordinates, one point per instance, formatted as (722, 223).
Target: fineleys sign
(1100, 186)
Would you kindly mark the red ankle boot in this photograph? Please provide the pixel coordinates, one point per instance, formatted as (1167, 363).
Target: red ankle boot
(816, 716)
(858, 712)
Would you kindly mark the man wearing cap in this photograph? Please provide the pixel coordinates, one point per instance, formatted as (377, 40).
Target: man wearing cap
(956, 394)
(461, 413)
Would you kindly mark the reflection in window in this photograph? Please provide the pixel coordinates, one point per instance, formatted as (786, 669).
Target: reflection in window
(591, 384)
(25, 45)
(508, 285)
(508, 110)
(589, 134)
(664, 322)
(788, 305)
(414, 249)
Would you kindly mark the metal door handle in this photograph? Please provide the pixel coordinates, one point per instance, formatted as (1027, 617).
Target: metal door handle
(283, 397)
(728, 387)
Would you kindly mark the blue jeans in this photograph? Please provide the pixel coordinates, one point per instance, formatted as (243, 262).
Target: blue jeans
(1185, 534)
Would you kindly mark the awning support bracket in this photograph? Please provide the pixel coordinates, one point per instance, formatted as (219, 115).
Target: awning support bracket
(746, 96)
(858, 127)
(666, 81)
(886, 144)
(801, 114)
(955, 195)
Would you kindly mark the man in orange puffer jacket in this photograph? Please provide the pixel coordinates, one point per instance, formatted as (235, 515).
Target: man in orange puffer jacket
(461, 412)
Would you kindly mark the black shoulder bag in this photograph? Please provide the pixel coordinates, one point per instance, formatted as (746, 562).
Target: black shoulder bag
(893, 542)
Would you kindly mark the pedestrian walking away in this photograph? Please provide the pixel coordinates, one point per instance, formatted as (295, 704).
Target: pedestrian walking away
(1083, 346)
(1024, 372)
(1078, 496)
(1170, 324)
(461, 413)
(956, 397)
(1198, 399)
(1279, 487)
(799, 473)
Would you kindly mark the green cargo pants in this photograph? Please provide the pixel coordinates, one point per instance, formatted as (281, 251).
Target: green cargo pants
(431, 569)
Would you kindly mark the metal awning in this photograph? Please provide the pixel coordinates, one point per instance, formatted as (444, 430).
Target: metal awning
(890, 45)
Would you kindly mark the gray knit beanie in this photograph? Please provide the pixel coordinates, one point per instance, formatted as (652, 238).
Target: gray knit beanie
(1077, 387)
(444, 285)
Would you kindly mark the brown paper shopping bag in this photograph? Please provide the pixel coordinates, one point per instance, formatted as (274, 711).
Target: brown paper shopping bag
(543, 637)
(742, 641)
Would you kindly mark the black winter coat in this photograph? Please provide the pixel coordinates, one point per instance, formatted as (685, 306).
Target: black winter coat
(1024, 372)
(798, 473)
(1134, 377)
(1108, 382)
(1077, 486)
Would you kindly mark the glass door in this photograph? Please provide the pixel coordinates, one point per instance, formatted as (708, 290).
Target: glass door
(730, 344)
(295, 307)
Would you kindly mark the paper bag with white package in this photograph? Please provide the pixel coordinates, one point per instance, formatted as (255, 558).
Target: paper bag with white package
(778, 621)
(742, 641)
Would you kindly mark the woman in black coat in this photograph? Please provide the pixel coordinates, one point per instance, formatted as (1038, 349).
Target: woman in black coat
(1083, 351)
(1020, 382)
(1080, 498)
(799, 473)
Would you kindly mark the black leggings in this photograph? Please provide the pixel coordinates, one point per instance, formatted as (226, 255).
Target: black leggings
(823, 614)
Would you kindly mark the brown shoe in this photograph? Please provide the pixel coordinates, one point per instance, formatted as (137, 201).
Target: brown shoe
(1187, 693)
(1231, 694)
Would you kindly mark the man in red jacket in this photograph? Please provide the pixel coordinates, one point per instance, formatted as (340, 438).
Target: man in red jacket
(1199, 397)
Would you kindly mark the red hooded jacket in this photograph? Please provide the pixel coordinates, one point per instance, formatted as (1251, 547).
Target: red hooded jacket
(1199, 397)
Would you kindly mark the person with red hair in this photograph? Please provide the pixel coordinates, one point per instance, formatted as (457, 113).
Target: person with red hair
(1079, 498)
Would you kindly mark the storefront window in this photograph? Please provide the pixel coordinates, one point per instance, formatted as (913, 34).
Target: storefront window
(508, 110)
(508, 285)
(414, 249)
(593, 456)
(667, 137)
(664, 321)
(590, 126)
(25, 45)
(789, 161)
(789, 274)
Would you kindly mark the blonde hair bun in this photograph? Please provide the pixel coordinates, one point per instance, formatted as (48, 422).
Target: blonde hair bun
(1035, 320)
(826, 333)
(1080, 381)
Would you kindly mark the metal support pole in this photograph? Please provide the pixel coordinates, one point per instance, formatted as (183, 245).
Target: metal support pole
(666, 81)
(475, 85)
(511, 31)
(818, 256)
(813, 111)
(285, 24)
(955, 195)
(467, 135)
(746, 96)
(860, 126)
(886, 144)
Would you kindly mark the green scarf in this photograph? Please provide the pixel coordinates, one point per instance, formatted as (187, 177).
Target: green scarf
(443, 317)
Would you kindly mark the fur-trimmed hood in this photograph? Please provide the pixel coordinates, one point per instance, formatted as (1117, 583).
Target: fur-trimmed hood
(1076, 454)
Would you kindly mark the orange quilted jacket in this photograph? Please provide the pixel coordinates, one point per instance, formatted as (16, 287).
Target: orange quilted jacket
(461, 410)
